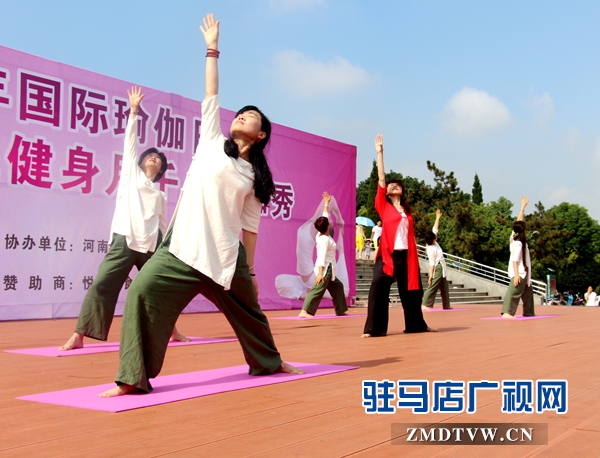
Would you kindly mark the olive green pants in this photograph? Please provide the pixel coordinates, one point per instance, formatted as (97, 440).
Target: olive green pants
(163, 288)
(512, 296)
(437, 282)
(98, 307)
(335, 288)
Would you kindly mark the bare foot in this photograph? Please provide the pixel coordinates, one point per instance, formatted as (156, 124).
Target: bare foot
(508, 316)
(304, 314)
(119, 390)
(286, 368)
(176, 336)
(431, 329)
(76, 341)
(365, 336)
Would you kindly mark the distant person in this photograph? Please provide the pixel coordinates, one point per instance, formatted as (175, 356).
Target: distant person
(519, 270)
(298, 286)
(360, 241)
(437, 268)
(590, 297)
(368, 248)
(376, 233)
(325, 270)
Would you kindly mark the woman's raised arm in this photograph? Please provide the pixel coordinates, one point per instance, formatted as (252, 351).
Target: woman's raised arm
(380, 168)
(211, 37)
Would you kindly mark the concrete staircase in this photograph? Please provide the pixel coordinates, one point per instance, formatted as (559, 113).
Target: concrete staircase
(459, 294)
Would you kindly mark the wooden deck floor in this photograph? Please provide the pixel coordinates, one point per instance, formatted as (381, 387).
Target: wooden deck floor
(317, 417)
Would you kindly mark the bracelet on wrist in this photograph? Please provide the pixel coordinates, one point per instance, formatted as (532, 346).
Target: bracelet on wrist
(210, 52)
(134, 112)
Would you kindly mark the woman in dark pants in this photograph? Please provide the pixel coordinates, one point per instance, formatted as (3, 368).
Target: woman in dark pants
(396, 258)
(227, 182)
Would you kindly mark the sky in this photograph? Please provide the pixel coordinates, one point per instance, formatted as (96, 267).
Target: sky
(506, 90)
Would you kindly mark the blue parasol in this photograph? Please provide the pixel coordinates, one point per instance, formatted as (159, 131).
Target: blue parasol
(364, 221)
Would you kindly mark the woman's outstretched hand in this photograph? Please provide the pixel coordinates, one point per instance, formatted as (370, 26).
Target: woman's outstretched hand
(135, 97)
(326, 198)
(210, 31)
(379, 144)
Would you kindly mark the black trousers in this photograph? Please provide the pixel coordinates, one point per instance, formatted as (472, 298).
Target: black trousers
(379, 298)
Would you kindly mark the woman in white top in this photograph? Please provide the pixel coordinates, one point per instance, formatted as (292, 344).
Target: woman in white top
(519, 270)
(325, 270)
(590, 297)
(202, 253)
(437, 268)
(137, 228)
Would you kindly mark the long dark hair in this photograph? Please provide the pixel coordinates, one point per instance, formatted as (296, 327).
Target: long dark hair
(519, 230)
(403, 198)
(264, 187)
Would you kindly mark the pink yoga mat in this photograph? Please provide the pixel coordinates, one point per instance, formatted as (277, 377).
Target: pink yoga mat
(443, 310)
(171, 388)
(520, 317)
(317, 317)
(106, 347)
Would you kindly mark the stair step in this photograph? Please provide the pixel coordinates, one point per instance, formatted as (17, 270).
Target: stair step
(458, 293)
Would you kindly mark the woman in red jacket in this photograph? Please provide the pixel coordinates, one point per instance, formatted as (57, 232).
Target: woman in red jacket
(396, 258)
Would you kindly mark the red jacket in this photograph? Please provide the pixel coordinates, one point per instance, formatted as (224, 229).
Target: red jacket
(390, 220)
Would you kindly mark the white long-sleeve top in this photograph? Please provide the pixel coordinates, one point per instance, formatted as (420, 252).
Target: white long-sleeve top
(516, 255)
(216, 202)
(141, 206)
(326, 248)
(435, 254)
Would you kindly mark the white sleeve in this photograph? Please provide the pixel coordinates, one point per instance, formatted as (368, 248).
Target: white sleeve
(251, 213)
(210, 129)
(162, 217)
(130, 146)
(515, 251)
(431, 255)
(322, 242)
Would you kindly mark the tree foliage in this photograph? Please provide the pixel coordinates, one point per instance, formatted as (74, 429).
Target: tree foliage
(477, 191)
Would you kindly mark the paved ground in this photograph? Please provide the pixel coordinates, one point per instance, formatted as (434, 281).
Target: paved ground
(319, 417)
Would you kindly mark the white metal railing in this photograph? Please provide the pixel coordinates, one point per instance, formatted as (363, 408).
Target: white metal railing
(482, 271)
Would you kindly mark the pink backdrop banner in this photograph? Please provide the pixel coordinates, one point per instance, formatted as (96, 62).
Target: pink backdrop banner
(61, 142)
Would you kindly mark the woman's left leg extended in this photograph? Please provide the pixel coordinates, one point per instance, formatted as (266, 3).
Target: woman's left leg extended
(411, 300)
(432, 289)
(156, 297)
(336, 289)
(241, 308)
(528, 301)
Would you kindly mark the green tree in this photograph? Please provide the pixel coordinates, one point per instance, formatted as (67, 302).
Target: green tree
(372, 192)
(577, 250)
(492, 224)
(477, 191)
(362, 195)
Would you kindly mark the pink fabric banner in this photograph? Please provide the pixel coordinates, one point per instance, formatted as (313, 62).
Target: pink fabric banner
(61, 141)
